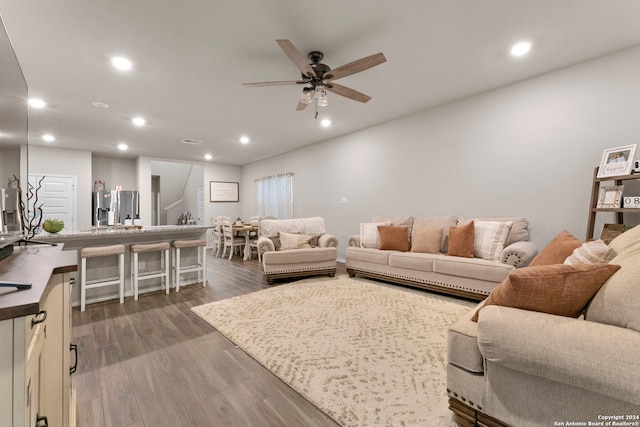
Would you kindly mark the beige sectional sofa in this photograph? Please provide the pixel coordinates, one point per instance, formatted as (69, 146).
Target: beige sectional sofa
(527, 368)
(436, 270)
(296, 248)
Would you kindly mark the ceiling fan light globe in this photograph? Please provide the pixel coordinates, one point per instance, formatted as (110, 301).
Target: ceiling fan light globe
(306, 97)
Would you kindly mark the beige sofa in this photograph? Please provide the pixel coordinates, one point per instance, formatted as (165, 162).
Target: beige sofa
(526, 368)
(296, 248)
(467, 277)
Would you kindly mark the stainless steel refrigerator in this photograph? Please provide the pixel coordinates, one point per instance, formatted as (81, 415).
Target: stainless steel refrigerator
(112, 207)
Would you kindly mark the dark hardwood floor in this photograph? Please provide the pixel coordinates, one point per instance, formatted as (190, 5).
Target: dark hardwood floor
(152, 362)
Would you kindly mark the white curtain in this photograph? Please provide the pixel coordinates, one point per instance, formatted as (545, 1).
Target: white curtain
(274, 196)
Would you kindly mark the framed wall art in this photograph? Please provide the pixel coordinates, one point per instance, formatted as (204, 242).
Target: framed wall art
(224, 191)
(617, 161)
(610, 197)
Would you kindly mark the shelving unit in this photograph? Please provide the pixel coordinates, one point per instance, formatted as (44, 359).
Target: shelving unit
(595, 192)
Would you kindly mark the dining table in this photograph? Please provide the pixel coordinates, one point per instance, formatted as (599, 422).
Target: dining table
(245, 230)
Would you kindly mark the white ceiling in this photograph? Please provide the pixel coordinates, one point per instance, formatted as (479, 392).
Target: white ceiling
(191, 57)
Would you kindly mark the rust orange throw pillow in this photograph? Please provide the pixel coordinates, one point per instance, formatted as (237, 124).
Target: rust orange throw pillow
(557, 250)
(461, 241)
(560, 289)
(394, 238)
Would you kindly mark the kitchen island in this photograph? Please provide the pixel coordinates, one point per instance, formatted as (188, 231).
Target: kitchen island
(36, 355)
(104, 236)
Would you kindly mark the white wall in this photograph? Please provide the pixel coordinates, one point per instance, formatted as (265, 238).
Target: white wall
(9, 164)
(115, 172)
(528, 149)
(178, 181)
(225, 173)
(57, 161)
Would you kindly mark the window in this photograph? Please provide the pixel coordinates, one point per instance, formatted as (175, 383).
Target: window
(274, 196)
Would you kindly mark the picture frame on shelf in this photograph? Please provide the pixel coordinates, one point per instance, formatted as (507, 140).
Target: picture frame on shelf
(220, 191)
(610, 197)
(617, 161)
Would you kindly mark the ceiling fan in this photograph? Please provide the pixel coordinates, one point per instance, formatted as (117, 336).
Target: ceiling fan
(318, 78)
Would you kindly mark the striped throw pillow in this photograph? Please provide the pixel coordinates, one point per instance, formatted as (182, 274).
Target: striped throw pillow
(489, 238)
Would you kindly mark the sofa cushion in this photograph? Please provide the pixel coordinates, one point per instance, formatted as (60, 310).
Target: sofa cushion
(426, 240)
(369, 235)
(489, 238)
(461, 241)
(617, 302)
(299, 256)
(412, 261)
(591, 253)
(394, 238)
(313, 226)
(294, 241)
(557, 250)
(474, 268)
(519, 231)
(396, 221)
(374, 256)
(443, 222)
(462, 344)
(559, 289)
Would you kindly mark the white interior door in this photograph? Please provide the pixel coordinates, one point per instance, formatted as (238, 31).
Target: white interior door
(57, 196)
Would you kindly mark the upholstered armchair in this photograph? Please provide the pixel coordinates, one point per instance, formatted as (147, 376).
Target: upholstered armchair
(296, 248)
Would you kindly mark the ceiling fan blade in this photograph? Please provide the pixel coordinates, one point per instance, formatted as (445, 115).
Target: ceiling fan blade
(347, 92)
(301, 106)
(296, 57)
(281, 83)
(356, 66)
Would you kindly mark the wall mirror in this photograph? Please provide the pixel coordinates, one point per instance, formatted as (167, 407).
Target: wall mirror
(13, 138)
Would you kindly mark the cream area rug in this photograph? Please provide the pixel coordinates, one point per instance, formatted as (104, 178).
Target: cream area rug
(365, 353)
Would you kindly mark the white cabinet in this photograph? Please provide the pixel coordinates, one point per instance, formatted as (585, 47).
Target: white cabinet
(35, 379)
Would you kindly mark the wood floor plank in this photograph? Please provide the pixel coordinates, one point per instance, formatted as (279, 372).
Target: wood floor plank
(152, 362)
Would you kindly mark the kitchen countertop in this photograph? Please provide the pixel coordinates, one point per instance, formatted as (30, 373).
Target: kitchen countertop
(120, 231)
(31, 264)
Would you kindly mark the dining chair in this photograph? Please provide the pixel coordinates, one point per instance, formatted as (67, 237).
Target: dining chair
(218, 241)
(253, 240)
(230, 240)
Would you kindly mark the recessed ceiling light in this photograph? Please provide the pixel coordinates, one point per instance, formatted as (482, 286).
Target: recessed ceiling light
(122, 146)
(521, 48)
(208, 156)
(121, 63)
(48, 137)
(139, 121)
(326, 123)
(244, 139)
(99, 104)
(37, 103)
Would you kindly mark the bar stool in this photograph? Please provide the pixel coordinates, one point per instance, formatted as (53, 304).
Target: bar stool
(95, 252)
(200, 266)
(163, 273)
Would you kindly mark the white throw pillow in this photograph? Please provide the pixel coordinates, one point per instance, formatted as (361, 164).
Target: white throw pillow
(294, 241)
(369, 235)
(591, 252)
(489, 238)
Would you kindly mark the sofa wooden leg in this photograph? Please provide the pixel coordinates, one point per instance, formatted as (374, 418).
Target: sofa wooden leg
(351, 272)
(270, 281)
(469, 417)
